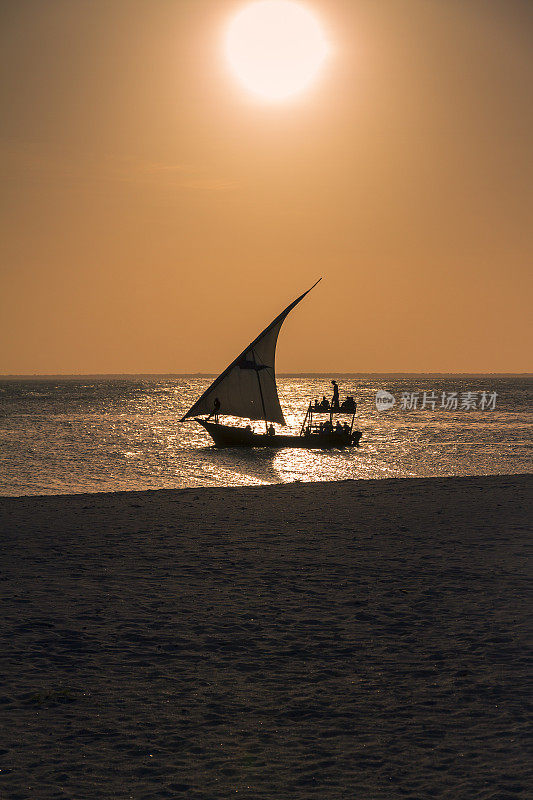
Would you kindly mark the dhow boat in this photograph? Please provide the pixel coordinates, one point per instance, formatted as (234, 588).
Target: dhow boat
(247, 389)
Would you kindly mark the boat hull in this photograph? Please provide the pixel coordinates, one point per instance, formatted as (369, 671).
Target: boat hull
(233, 436)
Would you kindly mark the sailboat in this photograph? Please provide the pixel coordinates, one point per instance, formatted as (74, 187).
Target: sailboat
(247, 389)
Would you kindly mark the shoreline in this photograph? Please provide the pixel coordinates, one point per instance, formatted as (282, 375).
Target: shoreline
(266, 486)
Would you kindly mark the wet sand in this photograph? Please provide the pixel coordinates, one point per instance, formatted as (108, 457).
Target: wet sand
(344, 640)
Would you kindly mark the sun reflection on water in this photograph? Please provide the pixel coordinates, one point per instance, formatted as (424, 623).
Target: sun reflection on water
(109, 435)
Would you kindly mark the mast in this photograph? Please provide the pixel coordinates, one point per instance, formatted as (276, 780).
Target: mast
(261, 393)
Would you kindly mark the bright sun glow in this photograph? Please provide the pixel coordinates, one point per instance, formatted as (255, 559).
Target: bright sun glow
(275, 47)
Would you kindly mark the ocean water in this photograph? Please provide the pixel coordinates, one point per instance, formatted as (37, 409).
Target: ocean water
(114, 434)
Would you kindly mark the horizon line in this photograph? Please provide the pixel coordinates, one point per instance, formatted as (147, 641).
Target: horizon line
(80, 375)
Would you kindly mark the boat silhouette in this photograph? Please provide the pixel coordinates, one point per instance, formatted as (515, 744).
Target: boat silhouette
(247, 389)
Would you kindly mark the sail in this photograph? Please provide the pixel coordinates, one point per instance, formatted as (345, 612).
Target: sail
(247, 388)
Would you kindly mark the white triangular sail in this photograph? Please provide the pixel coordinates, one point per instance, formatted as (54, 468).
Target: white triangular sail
(247, 388)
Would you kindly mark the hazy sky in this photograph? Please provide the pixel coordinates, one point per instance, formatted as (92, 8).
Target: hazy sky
(155, 216)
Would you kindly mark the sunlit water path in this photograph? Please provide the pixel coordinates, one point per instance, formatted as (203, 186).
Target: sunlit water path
(88, 435)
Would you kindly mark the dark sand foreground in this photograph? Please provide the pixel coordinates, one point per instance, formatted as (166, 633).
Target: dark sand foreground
(353, 640)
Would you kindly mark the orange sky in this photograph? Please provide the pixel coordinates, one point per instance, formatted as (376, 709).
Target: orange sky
(155, 216)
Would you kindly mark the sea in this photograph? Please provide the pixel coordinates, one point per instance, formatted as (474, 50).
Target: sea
(109, 434)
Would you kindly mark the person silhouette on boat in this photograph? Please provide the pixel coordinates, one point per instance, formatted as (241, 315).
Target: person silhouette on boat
(216, 410)
(324, 405)
(335, 398)
(271, 430)
(349, 405)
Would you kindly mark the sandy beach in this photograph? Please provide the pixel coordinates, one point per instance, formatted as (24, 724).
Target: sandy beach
(362, 639)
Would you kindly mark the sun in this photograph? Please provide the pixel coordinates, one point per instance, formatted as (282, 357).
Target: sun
(275, 48)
